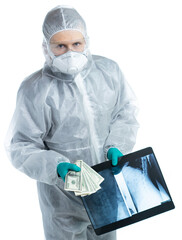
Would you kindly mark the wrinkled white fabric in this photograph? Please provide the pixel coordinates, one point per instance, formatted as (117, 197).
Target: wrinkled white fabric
(63, 18)
(61, 117)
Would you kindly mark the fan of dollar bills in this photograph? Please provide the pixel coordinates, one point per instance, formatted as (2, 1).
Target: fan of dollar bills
(85, 182)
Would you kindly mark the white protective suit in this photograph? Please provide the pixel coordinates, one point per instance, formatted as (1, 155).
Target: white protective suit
(61, 117)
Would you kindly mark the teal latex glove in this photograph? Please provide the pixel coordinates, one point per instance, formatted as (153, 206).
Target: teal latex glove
(64, 167)
(113, 154)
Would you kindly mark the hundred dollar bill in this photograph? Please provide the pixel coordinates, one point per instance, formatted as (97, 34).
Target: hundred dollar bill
(88, 187)
(73, 180)
(91, 184)
(85, 187)
(85, 182)
(97, 177)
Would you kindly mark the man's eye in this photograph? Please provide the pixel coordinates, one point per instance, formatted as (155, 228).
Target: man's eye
(76, 44)
(61, 46)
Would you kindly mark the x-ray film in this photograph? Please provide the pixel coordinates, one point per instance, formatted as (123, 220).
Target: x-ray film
(132, 191)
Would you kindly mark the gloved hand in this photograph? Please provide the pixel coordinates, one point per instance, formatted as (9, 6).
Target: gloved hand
(113, 154)
(64, 167)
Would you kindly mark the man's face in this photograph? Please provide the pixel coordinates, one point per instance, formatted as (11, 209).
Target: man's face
(68, 40)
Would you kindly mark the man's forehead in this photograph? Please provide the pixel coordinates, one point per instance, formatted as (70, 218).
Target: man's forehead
(66, 42)
(66, 36)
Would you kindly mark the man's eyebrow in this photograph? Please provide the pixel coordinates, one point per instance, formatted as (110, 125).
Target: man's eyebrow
(65, 42)
(57, 42)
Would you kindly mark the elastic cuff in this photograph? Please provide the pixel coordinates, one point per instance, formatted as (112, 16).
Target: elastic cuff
(106, 149)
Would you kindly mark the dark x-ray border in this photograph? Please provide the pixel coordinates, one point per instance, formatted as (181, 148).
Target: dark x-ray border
(141, 215)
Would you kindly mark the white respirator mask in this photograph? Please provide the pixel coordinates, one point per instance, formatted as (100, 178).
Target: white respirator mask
(70, 62)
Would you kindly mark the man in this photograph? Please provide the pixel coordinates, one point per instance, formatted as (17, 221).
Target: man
(78, 106)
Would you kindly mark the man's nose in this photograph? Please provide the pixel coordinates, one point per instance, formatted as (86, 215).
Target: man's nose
(69, 47)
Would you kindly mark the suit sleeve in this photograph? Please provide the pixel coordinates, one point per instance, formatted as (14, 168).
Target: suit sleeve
(25, 139)
(123, 126)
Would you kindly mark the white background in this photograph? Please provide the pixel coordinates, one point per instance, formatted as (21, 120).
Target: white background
(145, 38)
